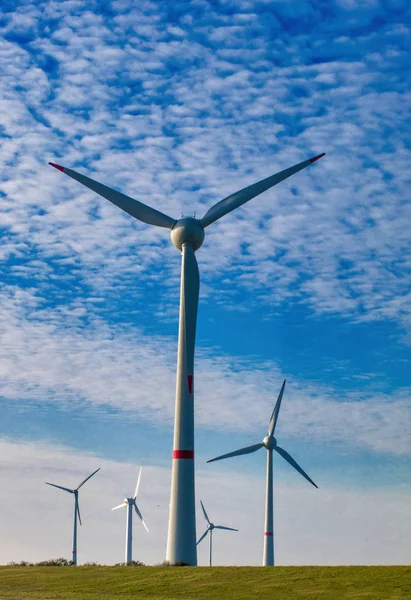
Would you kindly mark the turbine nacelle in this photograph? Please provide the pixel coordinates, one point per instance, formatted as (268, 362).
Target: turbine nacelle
(187, 230)
(269, 442)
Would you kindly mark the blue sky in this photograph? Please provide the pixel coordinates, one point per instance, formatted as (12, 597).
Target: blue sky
(178, 106)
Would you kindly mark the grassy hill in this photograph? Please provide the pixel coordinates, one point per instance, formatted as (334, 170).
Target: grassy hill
(202, 583)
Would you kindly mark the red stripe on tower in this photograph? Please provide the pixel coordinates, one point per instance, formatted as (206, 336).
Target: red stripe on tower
(268, 533)
(187, 454)
(190, 383)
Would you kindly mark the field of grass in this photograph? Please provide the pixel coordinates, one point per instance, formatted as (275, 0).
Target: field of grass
(202, 583)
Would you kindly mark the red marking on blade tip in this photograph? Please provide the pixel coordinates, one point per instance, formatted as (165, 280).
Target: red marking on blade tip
(188, 454)
(190, 383)
(60, 168)
(269, 533)
(316, 157)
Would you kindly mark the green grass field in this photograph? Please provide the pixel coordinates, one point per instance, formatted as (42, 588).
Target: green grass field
(231, 583)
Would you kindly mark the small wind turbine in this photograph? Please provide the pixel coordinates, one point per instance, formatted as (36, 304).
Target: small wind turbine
(130, 503)
(76, 511)
(187, 234)
(210, 529)
(270, 444)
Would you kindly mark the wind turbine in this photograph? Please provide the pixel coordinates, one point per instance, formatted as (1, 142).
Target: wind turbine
(210, 529)
(130, 503)
(76, 510)
(270, 444)
(187, 234)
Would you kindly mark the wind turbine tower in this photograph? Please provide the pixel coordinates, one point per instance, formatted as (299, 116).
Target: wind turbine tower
(209, 531)
(270, 444)
(187, 234)
(76, 511)
(130, 503)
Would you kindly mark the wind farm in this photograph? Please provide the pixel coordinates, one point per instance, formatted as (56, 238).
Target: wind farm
(189, 283)
(187, 234)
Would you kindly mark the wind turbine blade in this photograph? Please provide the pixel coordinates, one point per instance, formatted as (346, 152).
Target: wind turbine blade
(241, 197)
(226, 528)
(87, 478)
(294, 464)
(203, 536)
(189, 306)
(78, 512)
(204, 513)
(138, 483)
(140, 516)
(246, 450)
(136, 209)
(60, 487)
(274, 416)
(120, 506)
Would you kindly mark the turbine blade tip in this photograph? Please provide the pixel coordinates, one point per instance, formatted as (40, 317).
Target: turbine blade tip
(316, 157)
(59, 167)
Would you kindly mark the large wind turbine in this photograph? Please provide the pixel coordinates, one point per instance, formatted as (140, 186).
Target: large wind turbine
(270, 444)
(187, 234)
(76, 510)
(209, 530)
(130, 503)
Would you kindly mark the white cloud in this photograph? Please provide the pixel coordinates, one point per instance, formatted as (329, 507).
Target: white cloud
(49, 354)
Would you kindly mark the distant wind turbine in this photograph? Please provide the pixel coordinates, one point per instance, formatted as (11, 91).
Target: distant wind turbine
(270, 444)
(130, 503)
(210, 529)
(76, 510)
(187, 234)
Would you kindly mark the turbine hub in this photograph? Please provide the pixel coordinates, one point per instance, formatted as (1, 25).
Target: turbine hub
(187, 231)
(269, 443)
(211, 525)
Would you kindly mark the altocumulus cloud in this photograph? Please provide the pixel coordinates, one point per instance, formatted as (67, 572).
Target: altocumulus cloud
(181, 106)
